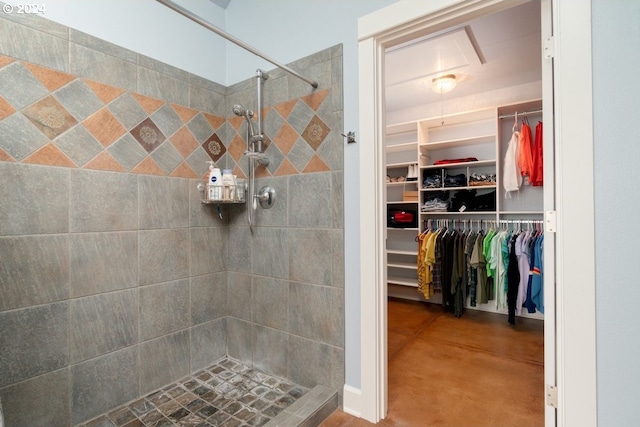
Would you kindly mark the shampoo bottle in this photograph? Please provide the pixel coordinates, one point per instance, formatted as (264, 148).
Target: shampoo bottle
(214, 182)
(229, 184)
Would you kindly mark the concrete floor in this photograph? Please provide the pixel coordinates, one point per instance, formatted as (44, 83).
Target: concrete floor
(476, 370)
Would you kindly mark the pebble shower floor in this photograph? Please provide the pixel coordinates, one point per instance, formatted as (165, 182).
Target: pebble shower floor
(226, 394)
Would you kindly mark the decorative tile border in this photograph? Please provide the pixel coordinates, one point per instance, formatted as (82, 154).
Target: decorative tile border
(68, 121)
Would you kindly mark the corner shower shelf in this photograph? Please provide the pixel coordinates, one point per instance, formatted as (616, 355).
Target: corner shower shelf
(227, 194)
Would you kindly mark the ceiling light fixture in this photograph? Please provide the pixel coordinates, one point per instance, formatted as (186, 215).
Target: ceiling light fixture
(444, 84)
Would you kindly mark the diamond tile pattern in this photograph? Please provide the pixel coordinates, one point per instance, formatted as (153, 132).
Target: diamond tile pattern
(227, 393)
(55, 118)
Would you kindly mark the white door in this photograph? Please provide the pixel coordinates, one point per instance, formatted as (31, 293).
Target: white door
(377, 32)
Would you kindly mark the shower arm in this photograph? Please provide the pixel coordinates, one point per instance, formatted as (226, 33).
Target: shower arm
(232, 39)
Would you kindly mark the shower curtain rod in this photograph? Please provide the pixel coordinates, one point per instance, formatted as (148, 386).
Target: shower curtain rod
(208, 25)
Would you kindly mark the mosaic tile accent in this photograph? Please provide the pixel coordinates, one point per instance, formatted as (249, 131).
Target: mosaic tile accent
(55, 118)
(227, 393)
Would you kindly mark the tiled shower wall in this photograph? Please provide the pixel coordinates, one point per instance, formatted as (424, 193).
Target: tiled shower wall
(114, 278)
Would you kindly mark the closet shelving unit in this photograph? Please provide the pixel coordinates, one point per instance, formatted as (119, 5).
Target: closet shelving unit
(483, 134)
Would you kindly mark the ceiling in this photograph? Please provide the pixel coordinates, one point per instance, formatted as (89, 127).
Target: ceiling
(222, 3)
(489, 53)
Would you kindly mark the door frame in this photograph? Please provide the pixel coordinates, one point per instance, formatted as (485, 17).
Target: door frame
(574, 260)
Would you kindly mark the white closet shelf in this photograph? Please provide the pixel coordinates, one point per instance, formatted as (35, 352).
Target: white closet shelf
(471, 187)
(402, 203)
(460, 142)
(461, 165)
(492, 213)
(399, 252)
(400, 165)
(398, 184)
(406, 265)
(395, 148)
(403, 229)
(402, 281)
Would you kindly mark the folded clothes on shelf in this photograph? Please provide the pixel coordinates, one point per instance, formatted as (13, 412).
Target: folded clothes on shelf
(433, 180)
(449, 161)
(459, 180)
(482, 179)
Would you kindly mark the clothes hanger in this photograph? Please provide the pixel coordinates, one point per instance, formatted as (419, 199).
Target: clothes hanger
(515, 122)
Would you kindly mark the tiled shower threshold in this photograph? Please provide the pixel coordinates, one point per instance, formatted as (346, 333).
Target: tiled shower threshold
(226, 394)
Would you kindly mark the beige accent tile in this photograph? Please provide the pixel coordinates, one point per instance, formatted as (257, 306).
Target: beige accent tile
(285, 108)
(50, 117)
(237, 171)
(51, 79)
(5, 109)
(286, 168)
(148, 167)
(315, 99)
(184, 142)
(183, 171)
(237, 148)
(316, 165)
(104, 127)
(4, 157)
(236, 122)
(105, 92)
(184, 113)
(214, 121)
(49, 155)
(315, 132)
(262, 172)
(5, 60)
(104, 161)
(286, 138)
(147, 103)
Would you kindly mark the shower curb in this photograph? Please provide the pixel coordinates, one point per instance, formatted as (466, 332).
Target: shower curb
(308, 411)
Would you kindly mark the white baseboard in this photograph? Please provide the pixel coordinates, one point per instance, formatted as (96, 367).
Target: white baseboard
(352, 401)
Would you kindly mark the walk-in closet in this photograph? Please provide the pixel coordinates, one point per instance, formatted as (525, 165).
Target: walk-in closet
(465, 202)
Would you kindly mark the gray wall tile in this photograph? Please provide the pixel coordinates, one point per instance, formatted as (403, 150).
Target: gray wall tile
(27, 92)
(161, 67)
(269, 252)
(337, 199)
(34, 341)
(20, 137)
(102, 384)
(208, 250)
(198, 160)
(26, 43)
(128, 111)
(164, 308)
(100, 45)
(270, 302)
(310, 255)
(167, 120)
(102, 67)
(127, 151)
(239, 295)
(276, 216)
(337, 258)
(24, 209)
(269, 350)
(163, 361)
(78, 99)
(79, 145)
(42, 401)
(208, 343)
(33, 270)
(203, 215)
(317, 312)
(200, 128)
(239, 340)
(208, 101)
(164, 202)
(167, 157)
(103, 262)
(163, 255)
(239, 249)
(208, 297)
(309, 362)
(103, 323)
(310, 200)
(103, 201)
(161, 86)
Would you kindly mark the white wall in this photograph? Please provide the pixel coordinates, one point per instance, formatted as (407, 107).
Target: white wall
(149, 28)
(616, 37)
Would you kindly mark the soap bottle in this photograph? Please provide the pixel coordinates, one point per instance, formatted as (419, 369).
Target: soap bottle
(214, 182)
(229, 184)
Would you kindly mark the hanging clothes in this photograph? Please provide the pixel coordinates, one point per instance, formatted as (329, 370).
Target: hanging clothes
(537, 173)
(524, 268)
(512, 177)
(513, 274)
(525, 159)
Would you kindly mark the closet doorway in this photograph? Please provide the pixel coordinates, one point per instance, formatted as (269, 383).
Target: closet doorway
(475, 92)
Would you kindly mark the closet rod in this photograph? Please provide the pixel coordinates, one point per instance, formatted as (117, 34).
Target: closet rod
(218, 31)
(524, 113)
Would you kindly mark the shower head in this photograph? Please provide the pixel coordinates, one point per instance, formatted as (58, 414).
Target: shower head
(239, 110)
